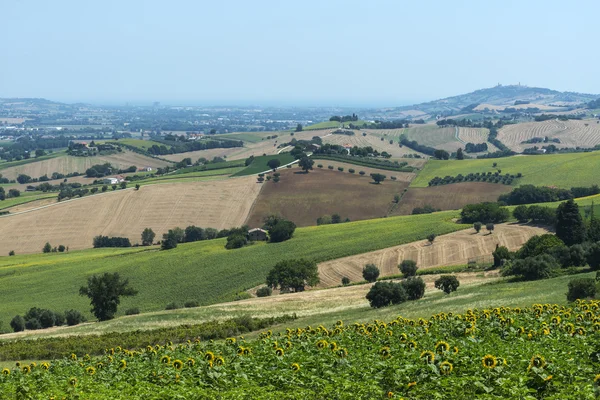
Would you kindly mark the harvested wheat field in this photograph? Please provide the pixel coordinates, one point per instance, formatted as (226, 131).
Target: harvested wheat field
(476, 136)
(450, 197)
(400, 176)
(452, 249)
(208, 154)
(372, 139)
(216, 204)
(571, 133)
(302, 198)
(67, 164)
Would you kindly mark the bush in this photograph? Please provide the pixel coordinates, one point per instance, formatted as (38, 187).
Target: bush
(490, 227)
(236, 241)
(283, 230)
(521, 214)
(319, 165)
(484, 212)
(534, 268)
(383, 294)
(501, 254)
(581, 288)
(17, 323)
(330, 166)
(59, 319)
(414, 287)
(408, 268)
(132, 311)
(47, 319)
(33, 324)
(447, 283)
(351, 170)
(11, 253)
(370, 272)
(191, 304)
(341, 169)
(539, 244)
(345, 281)
(477, 226)
(361, 172)
(74, 317)
(61, 248)
(264, 291)
(593, 256)
(172, 306)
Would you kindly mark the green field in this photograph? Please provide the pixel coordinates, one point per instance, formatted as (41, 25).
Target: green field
(323, 125)
(139, 143)
(250, 137)
(561, 170)
(205, 271)
(26, 197)
(211, 167)
(260, 163)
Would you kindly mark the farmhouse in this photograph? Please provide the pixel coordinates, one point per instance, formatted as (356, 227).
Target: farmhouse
(114, 181)
(257, 234)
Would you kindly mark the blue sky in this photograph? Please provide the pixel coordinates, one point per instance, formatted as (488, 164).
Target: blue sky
(361, 53)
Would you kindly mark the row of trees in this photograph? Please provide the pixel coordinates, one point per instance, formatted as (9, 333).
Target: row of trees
(476, 148)
(491, 177)
(39, 318)
(331, 219)
(56, 249)
(12, 193)
(529, 194)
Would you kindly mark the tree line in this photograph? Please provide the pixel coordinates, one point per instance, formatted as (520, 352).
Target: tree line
(528, 194)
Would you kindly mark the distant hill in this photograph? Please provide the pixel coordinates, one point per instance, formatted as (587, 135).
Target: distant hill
(504, 96)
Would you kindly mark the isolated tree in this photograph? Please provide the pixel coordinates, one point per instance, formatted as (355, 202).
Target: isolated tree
(11, 253)
(477, 226)
(274, 163)
(345, 281)
(370, 272)
(490, 227)
(299, 128)
(521, 213)
(431, 237)
(61, 248)
(306, 164)
(283, 230)
(47, 248)
(383, 294)
(460, 155)
(336, 219)
(569, 225)
(293, 275)
(17, 323)
(447, 283)
(148, 236)
(137, 186)
(105, 292)
(378, 178)
(500, 255)
(408, 268)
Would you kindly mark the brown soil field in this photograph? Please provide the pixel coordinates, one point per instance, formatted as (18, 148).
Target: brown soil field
(216, 204)
(67, 164)
(302, 198)
(450, 197)
(572, 133)
(400, 176)
(452, 249)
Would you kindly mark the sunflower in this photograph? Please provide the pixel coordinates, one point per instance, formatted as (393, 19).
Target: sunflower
(489, 361)
(122, 364)
(45, 366)
(545, 331)
(26, 369)
(6, 371)
(279, 352)
(90, 370)
(230, 340)
(411, 384)
(295, 367)
(178, 364)
(580, 331)
(403, 337)
(110, 359)
(555, 320)
(165, 360)
(333, 346)
(548, 379)
(596, 378)
(428, 356)
(455, 349)
(73, 356)
(390, 395)
(341, 353)
(240, 351)
(33, 365)
(441, 347)
(219, 361)
(445, 368)
(73, 381)
(385, 352)
(190, 362)
(321, 344)
(569, 327)
(99, 365)
(248, 351)
(537, 361)
(208, 356)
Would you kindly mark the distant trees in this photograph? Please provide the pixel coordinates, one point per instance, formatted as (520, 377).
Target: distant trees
(414, 287)
(581, 288)
(383, 294)
(370, 272)
(281, 230)
(306, 164)
(47, 248)
(484, 212)
(169, 240)
(447, 283)
(534, 268)
(460, 155)
(441, 154)
(105, 241)
(293, 275)
(500, 255)
(378, 178)
(476, 148)
(105, 292)
(299, 128)
(148, 236)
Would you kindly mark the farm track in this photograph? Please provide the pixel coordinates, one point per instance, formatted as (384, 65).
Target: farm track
(452, 249)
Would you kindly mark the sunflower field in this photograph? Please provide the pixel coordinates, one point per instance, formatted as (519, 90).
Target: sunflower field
(544, 351)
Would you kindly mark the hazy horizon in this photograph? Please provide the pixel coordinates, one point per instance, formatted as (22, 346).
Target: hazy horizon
(268, 53)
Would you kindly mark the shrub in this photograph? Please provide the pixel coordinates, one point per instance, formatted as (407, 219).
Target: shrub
(132, 311)
(236, 241)
(172, 306)
(484, 212)
(293, 274)
(264, 291)
(447, 283)
(191, 304)
(33, 324)
(521, 213)
(11, 253)
(414, 287)
(345, 281)
(330, 166)
(431, 237)
(539, 244)
(534, 268)
(351, 170)
(370, 272)
(383, 294)
(17, 323)
(500, 255)
(47, 319)
(61, 248)
(490, 227)
(593, 256)
(341, 169)
(477, 226)
(361, 172)
(581, 288)
(59, 319)
(408, 268)
(74, 317)
(283, 230)
(319, 165)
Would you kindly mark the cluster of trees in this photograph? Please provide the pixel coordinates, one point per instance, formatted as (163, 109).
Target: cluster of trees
(56, 249)
(413, 144)
(39, 318)
(395, 124)
(293, 275)
(26, 147)
(528, 194)
(484, 212)
(491, 177)
(544, 139)
(11, 193)
(100, 170)
(536, 214)
(442, 154)
(593, 104)
(23, 179)
(115, 241)
(190, 145)
(345, 118)
(562, 117)
(331, 219)
(476, 148)
(426, 209)
(279, 228)
(343, 132)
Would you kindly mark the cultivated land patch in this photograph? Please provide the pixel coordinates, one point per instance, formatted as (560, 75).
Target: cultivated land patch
(452, 249)
(450, 197)
(208, 154)
(65, 164)
(400, 176)
(372, 139)
(571, 133)
(303, 198)
(217, 204)
(476, 136)
(561, 170)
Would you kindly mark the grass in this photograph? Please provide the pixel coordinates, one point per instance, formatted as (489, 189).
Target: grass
(139, 143)
(250, 137)
(211, 167)
(205, 271)
(26, 197)
(323, 125)
(260, 163)
(561, 170)
(5, 165)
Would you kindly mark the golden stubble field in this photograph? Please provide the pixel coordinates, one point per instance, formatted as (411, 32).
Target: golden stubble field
(452, 249)
(216, 204)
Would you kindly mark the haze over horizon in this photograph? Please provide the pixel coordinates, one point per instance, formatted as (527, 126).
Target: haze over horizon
(335, 53)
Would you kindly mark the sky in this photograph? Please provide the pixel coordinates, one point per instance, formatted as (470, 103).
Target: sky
(290, 52)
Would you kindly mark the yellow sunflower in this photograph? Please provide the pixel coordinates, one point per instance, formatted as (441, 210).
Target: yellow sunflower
(441, 347)
(390, 395)
(165, 360)
(295, 367)
(596, 378)
(190, 362)
(412, 344)
(248, 351)
(45, 366)
(26, 369)
(342, 353)
(446, 368)
(385, 352)
(279, 352)
(178, 364)
(411, 384)
(428, 356)
(208, 356)
(122, 364)
(489, 361)
(90, 370)
(6, 371)
(537, 361)
(73, 381)
(321, 344)
(219, 361)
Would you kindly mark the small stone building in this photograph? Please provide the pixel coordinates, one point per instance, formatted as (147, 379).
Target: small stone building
(257, 234)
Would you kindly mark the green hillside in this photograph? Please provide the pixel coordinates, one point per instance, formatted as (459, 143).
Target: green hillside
(561, 170)
(260, 163)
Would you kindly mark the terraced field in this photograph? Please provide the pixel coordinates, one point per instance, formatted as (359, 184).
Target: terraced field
(572, 133)
(452, 249)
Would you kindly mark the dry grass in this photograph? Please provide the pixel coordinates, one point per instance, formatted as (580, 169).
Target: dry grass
(373, 139)
(452, 249)
(476, 135)
(400, 176)
(572, 133)
(31, 205)
(217, 204)
(303, 198)
(450, 197)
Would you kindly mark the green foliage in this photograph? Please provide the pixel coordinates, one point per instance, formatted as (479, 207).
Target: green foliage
(484, 212)
(441, 154)
(489, 227)
(447, 283)
(477, 226)
(383, 294)
(538, 245)
(260, 164)
(148, 236)
(581, 288)
(74, 317)
(370, 272)
(431, 237)
(345, 281)
(191, 303)
(593, 256)
(264, 291)
(521, 214)
(569, 225)
(414, 287)
(172, 306)
(132, 311)
(105, 292)
(306, 164)
(378, 178)
(47, 248)
(273, 163)
(17, 323)
(281, 231)
(170, 240)
(408, 268)
(534, 268)
(293, 275)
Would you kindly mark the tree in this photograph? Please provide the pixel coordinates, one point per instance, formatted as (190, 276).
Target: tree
(490, 227)
(370, 272)
(299, 128)
(73, 317)
(534, 268)
(521, 214)
(484, 212)
(293, 275)
(501, 254)
(477, 226)
(47, 248)
(264, 291)
(383, 294)
(581, 288)
(408, 268)
(306, 164)
(593, 256)
(104, 188)
(61, 248)
(148, 236)
(194, 233)
(283, 230)
(17, 323)
(378, 178)
(538, 245)
(345, 281)
(460, 155)
(137, 186)
(414, 287)
(11, 253)
(169, 240)
(569, 225)
(447, 283)
(123, 185)
(431, 237)
(273, 163)
(441, 154)
(105, 292)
